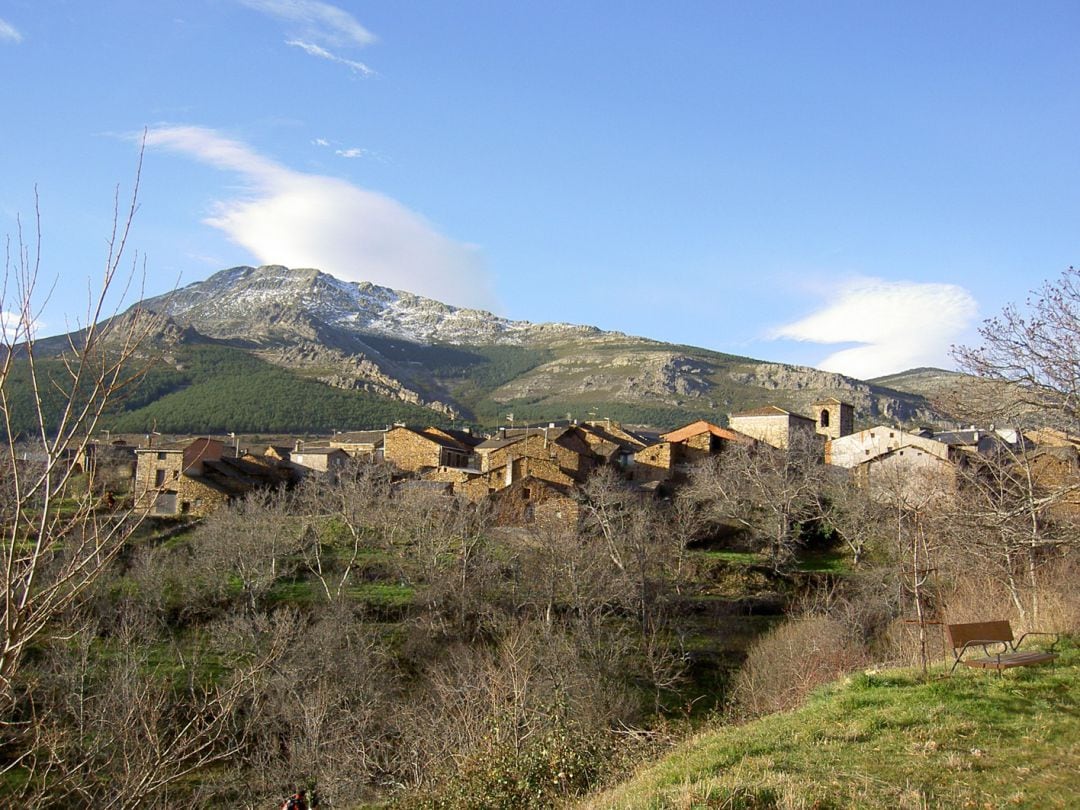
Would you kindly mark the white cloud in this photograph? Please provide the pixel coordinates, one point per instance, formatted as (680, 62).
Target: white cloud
(8, 32)
(318, 21)
(898, 324)
(322, 53)
(354, 152)
(308, 220)
(320, 142)
(15, 328)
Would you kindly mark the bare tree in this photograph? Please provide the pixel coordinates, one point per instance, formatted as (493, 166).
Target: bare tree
(342, 519)
(770, 494)
(1034, 351)
(57, 536)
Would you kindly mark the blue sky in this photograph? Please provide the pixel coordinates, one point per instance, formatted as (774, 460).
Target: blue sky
(846, 185)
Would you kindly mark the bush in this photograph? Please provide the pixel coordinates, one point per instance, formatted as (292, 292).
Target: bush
(563, 763)
(792, 660)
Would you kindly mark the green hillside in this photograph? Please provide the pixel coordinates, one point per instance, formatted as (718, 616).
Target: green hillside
(211, 388)
(887, 740)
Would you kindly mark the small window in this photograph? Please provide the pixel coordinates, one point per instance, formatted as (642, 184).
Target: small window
(162, 456)
(891, 434)
(824, 418)
(185, 507)
(159, 478)
(867, 452)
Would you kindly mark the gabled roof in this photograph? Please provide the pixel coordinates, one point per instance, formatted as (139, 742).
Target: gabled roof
(435, 436)
(318, 451)
(374, 437)
(461, 436)
(701, 426)
(551, 434)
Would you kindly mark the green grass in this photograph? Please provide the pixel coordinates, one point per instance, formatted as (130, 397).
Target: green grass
(734, 557)
(887, 740)
(823, 562)
(302, 592)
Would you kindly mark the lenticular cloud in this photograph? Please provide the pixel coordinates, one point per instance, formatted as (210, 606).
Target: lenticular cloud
(307, 220)
(898, 324)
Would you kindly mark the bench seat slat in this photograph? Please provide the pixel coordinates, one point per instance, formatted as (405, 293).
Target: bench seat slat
(1021, 659)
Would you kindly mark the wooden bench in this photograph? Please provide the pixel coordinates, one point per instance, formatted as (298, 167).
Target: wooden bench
(996, 641)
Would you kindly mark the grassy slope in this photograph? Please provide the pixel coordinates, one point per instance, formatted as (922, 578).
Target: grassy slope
(888, 740)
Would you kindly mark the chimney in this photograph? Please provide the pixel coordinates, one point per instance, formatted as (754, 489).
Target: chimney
(509, 471)
(299, 446)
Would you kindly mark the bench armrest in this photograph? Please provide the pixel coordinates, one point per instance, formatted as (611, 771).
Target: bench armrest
(1057, 637)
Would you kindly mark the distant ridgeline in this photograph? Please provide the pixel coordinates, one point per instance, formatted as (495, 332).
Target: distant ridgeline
(277, 350)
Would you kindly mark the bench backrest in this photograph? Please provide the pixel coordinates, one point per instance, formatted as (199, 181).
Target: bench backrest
(961, 634)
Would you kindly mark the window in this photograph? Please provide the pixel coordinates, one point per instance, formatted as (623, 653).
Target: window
(824, 418)
(159, 478)
(162, 456)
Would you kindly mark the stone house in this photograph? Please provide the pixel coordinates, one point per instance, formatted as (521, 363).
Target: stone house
(1056, 474)
(361, 444)
(599, 433)
(194, 478)
(680, 449)
(773, 426)
(531, 501)
(865, 445)
(653, 463)
(909, 474)
(325, 460)
(476, 485)
(415, 450)
(110, 466)
(564, 446)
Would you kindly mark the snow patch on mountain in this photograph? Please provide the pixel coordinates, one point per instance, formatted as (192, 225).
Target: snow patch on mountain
(231, 302)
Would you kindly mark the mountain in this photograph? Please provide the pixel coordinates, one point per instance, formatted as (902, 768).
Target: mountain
(269, 332)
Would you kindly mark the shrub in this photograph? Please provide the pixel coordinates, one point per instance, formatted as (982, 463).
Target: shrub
(792, 660)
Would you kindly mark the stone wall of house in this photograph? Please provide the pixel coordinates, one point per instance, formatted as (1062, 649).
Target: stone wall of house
(195, 498)
(849, 451)
(156, 470)
(773, 429)
(910, 475)
(410, 451)
(529, 501)
(1058, 474)
(654, 463)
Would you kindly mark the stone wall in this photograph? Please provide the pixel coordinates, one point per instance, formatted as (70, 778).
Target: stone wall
(410, 451)
(654, 463)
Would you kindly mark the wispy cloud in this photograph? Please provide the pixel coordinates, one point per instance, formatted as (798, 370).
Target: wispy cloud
(322, 53)
(318, 21)
(897, 324)
(320, 142)
(15, 328)
(354, 152)
(9, 33)
(308, 220)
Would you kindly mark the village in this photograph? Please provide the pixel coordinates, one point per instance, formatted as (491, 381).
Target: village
(532, 473)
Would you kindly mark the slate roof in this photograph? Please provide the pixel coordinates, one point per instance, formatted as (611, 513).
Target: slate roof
(701, 426)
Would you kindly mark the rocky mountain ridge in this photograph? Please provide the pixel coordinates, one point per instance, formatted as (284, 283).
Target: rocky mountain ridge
(473, 365)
